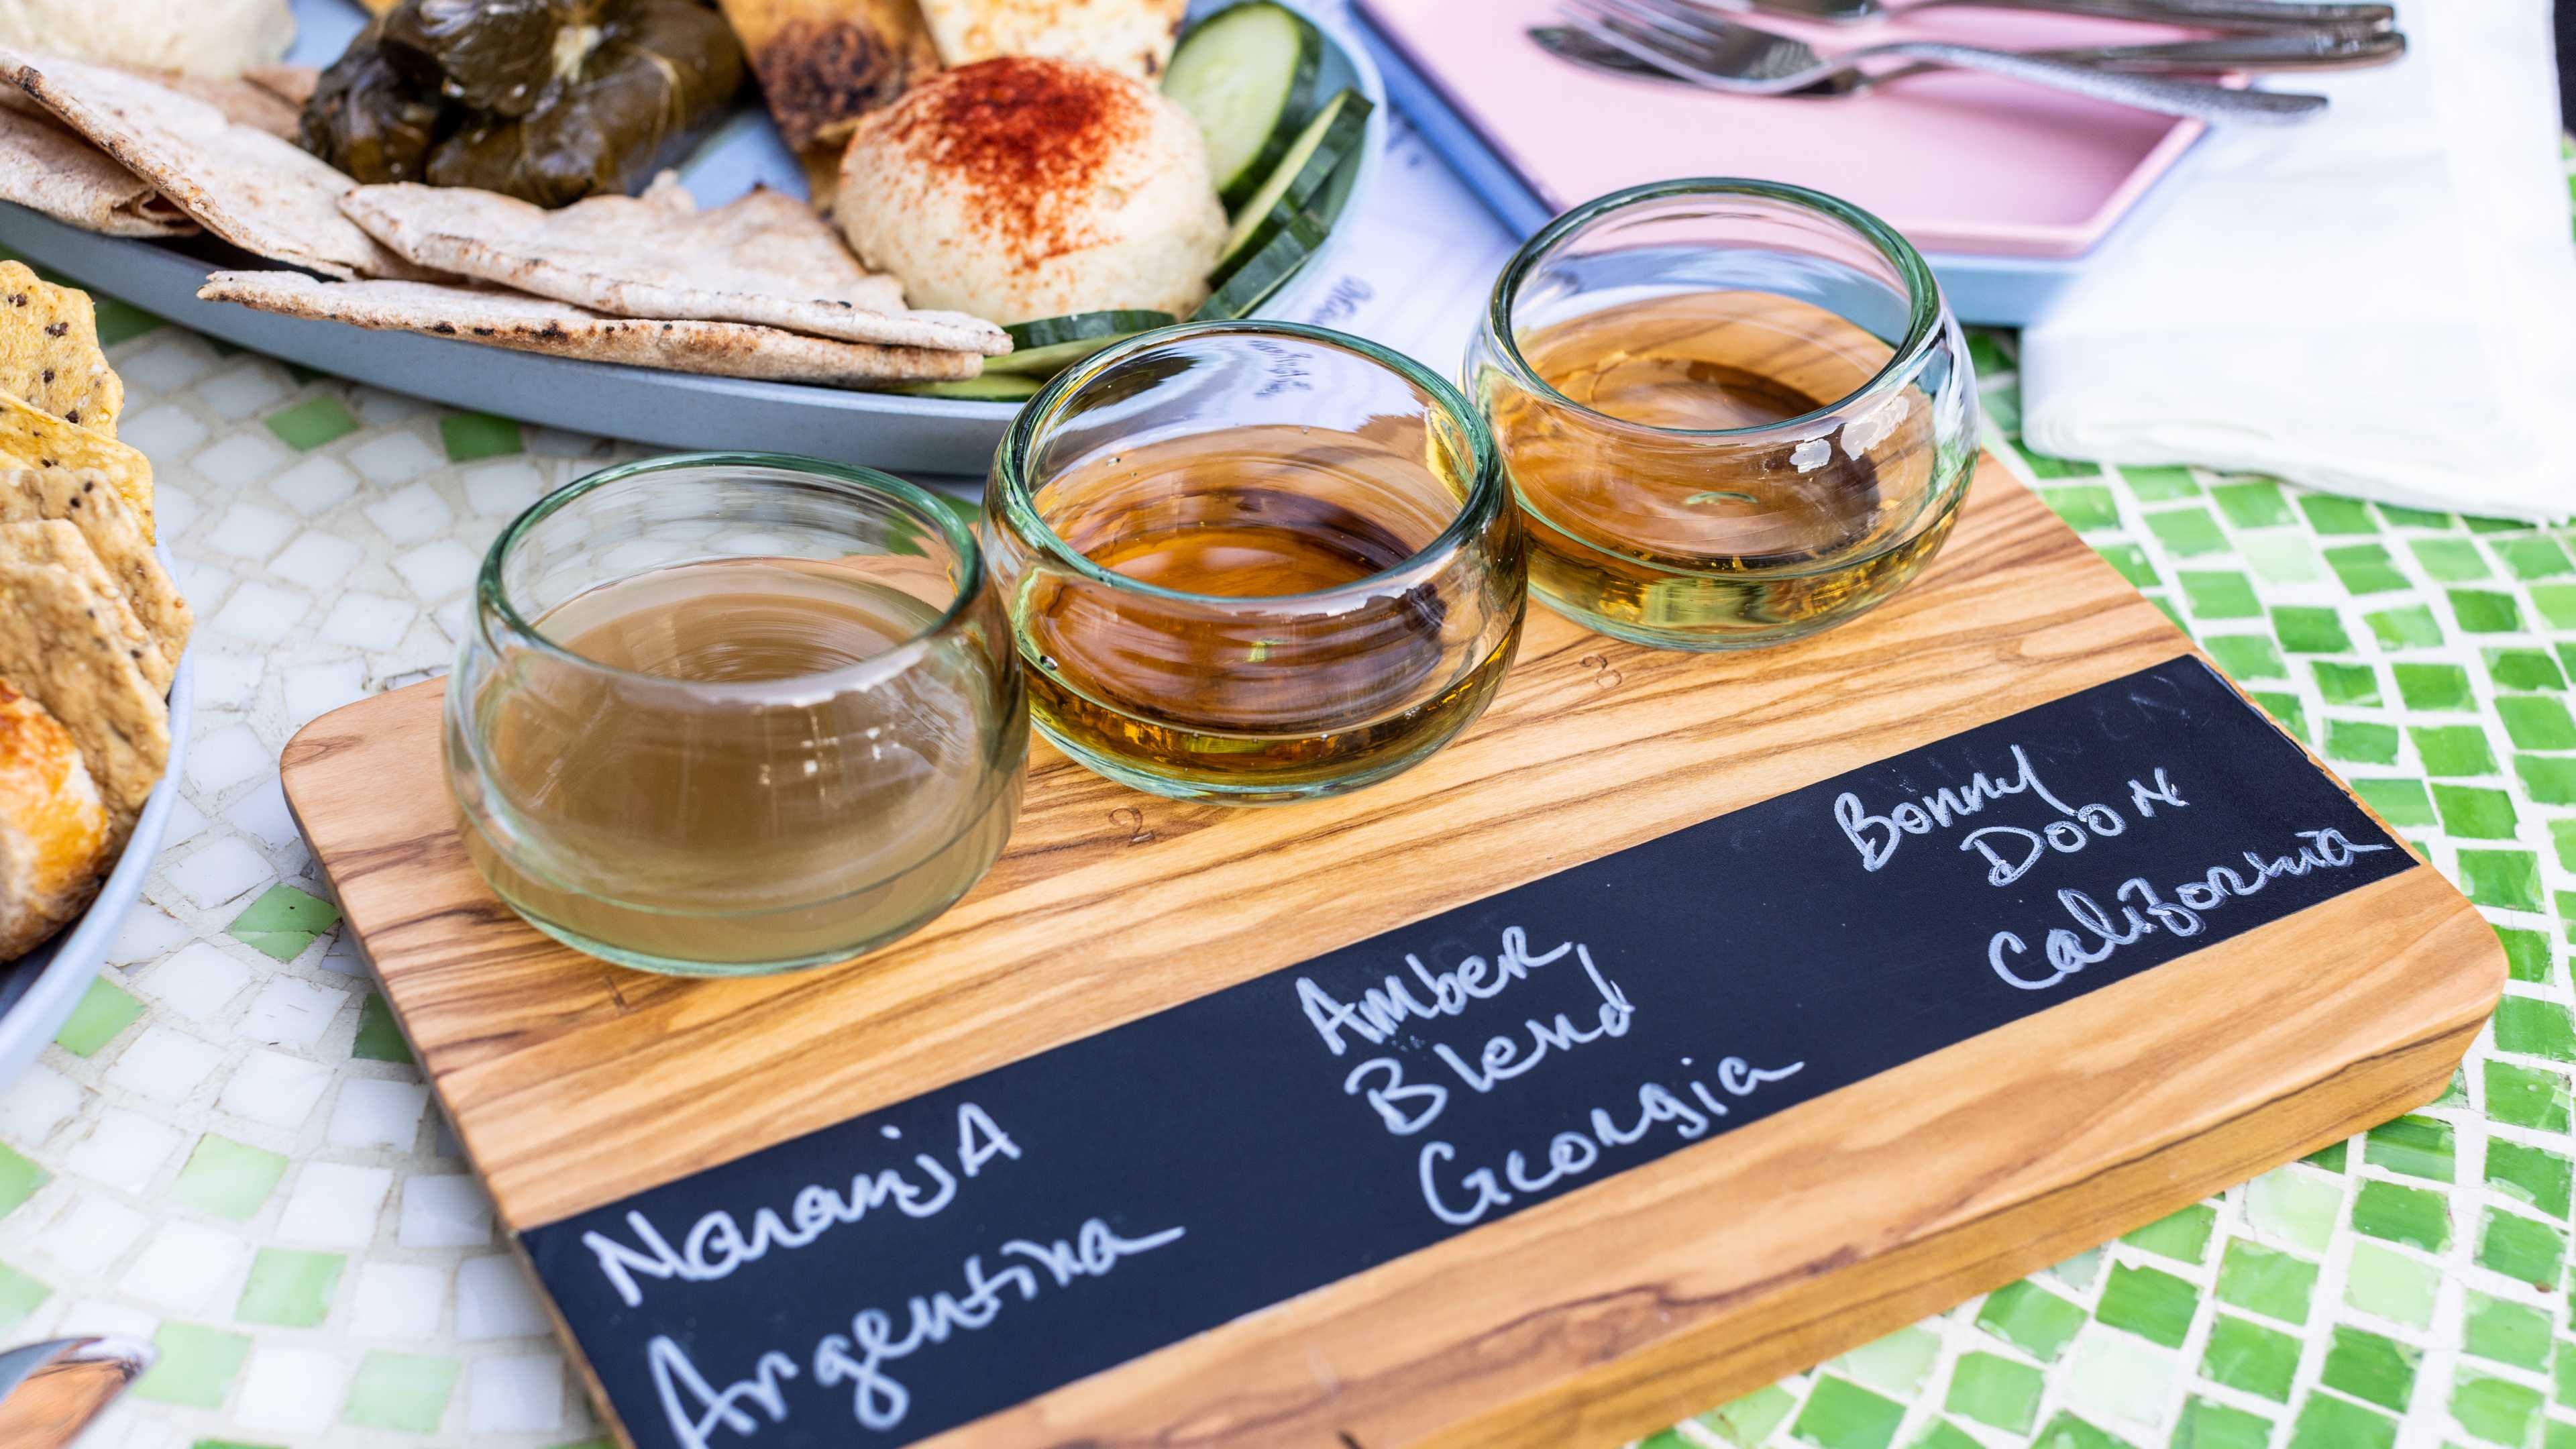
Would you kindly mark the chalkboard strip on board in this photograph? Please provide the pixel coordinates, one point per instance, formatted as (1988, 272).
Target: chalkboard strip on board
(947, 1257)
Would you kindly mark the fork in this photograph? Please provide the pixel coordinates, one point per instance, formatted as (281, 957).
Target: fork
(1726, 55)
(2258, 16)
(2314, 50)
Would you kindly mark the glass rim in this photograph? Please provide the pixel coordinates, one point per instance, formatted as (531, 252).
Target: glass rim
(494, 600)
(1923, 292)
(1484, 496)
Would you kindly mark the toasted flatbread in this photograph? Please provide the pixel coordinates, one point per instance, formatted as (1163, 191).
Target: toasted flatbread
(536, 324)
(53, 648)
(765, 259)
(243, 101)
(46, 166)
(60, 543)
(31, 435)
(1132, 37)
(49, 352)
(30, 494)
(292, 84)
(260, 193)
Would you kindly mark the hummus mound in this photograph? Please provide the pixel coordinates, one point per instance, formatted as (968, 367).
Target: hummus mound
(1019, 188)
(216, 39)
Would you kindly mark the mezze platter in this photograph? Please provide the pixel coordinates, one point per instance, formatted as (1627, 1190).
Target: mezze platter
(646, 405)
(1691, 1019)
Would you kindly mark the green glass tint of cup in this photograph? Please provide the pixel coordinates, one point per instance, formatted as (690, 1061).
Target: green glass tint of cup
(727, 714)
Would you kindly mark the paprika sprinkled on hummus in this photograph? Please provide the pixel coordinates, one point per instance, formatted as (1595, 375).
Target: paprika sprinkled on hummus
(1022, 187)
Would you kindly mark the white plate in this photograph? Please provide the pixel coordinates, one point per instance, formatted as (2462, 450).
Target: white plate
(39, 990)
(668, 409)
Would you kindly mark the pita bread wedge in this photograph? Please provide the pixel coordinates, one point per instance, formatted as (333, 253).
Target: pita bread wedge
(58, 543)
(53, 648)
(49, 352)
(292, 84)
(260, 193)
(765, 259)
(30, 494)
(37, 438)
(1132, 37)
(46, 166)
(536, 324)
(243, 101)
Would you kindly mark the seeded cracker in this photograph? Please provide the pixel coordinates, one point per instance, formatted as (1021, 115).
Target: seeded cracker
(55, 650)
(58, 544)
(29, 494)
(49, 352)
(32, 435)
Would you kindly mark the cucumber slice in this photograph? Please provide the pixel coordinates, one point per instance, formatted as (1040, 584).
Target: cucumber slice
(1009, 387)
(1048, 361)
(1247, 76)
(1045, 348)
(1078, 326)
(1261, 273)
(1328, 140)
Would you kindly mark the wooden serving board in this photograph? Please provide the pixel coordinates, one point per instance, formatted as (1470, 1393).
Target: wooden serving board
(1592, 1317)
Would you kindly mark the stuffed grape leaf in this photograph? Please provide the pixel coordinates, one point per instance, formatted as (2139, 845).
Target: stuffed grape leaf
(545, 100)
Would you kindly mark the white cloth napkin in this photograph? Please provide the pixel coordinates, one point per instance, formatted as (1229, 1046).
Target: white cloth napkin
(2381, 302)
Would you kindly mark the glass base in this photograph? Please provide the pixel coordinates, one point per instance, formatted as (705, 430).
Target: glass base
(668, 966)
(1698, 641)
(1212, 793)
(909, 901)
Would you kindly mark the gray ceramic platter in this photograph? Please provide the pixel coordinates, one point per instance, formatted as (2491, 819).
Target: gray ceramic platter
(665, 409)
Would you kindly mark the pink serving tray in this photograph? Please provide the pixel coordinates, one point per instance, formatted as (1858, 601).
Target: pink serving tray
(1958, 162)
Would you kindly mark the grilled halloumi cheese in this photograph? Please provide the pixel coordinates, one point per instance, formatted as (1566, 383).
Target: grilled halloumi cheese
(1132, 37)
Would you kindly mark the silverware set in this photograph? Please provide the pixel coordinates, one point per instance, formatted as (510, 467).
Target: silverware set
(1704, 43)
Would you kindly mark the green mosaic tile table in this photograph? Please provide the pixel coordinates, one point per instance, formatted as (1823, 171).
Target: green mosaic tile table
(229, 1151)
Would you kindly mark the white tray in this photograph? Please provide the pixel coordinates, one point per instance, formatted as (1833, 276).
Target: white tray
(666, 409)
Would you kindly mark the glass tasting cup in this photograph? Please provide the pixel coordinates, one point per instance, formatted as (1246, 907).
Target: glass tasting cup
(728, 714)
(1733, 412)
(1254, 563)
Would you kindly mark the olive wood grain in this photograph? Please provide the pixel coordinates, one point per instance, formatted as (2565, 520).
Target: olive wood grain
(1590, 1319)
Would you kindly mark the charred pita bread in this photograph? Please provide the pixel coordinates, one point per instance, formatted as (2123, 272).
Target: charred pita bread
(115, 535)
(54, 648)
(260, 193)
(49, 352)
(60, 544)
(46, 166)
(32, 437)
(536, 324)
(766, 259)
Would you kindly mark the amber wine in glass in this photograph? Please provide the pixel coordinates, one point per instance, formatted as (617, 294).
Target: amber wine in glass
(1260, 611)
(1733, 413)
